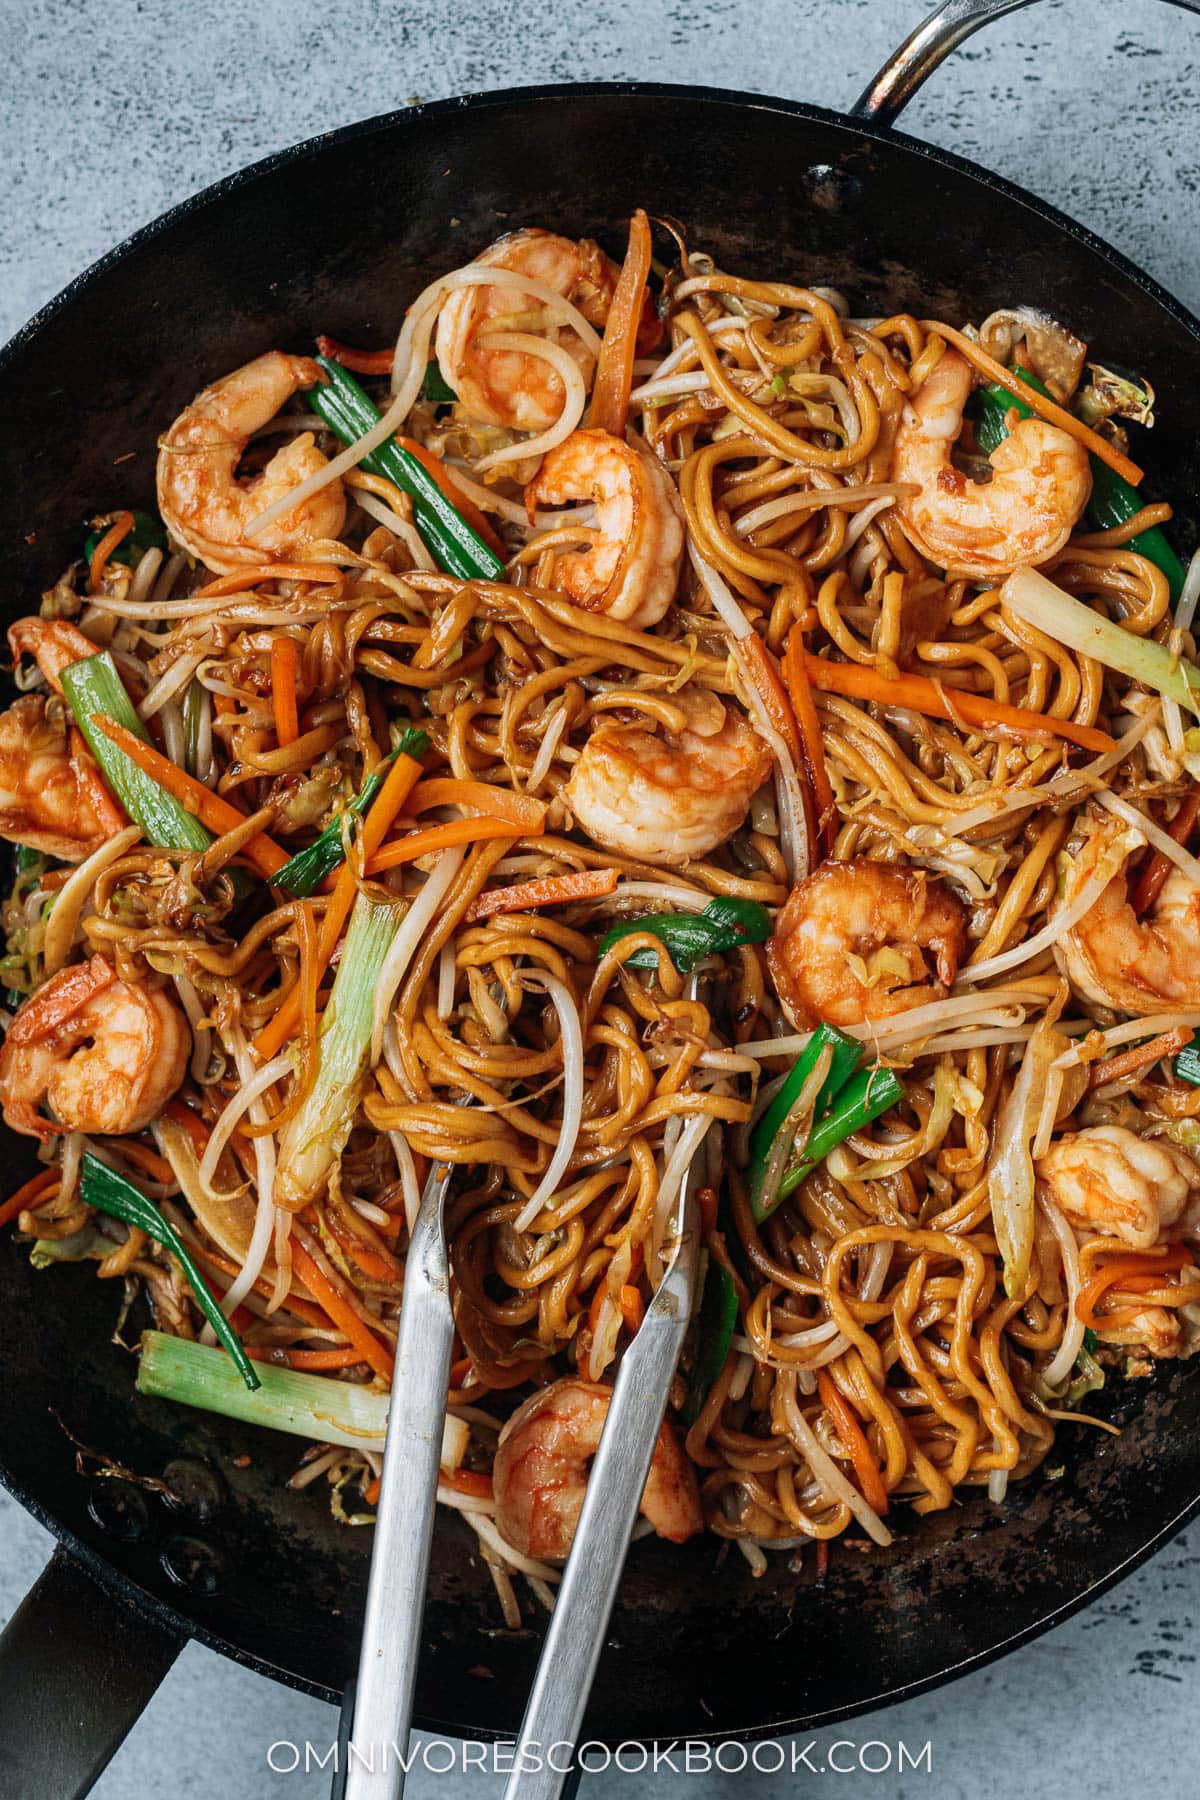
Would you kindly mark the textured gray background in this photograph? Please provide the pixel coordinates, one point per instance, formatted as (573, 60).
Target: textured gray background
(111, 112)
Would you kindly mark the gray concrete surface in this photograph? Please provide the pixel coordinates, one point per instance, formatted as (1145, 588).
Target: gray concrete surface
(111, 112)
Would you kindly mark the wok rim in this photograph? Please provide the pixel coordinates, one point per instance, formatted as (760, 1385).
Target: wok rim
(114, 1581)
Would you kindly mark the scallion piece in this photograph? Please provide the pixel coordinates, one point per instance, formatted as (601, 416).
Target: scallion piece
(111, 1193)
(846, 1056)
(714, 1335)
(434, 387)
(92, 687)
(452, 543)
(1082, 629)
(306, 871)
(1187, 1065)
(725, 924)
(864, 1098)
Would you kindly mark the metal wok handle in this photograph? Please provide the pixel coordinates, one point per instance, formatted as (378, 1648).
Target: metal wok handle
(924, 49)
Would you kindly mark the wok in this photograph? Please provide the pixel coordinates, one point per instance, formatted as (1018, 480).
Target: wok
(228, 1553)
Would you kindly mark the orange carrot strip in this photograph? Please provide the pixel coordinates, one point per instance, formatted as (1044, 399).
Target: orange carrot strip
(148, 1161)
(459, 1371)
(28, 1194)
(94, 789)
(1142, 1056)
(774, 696)
(363, 362)
(120, 529)
(1159, 866)
(555, 890)
(468, 1481)
(344, 1358)
(211, 809)
(614, 371)
(633, 1309)
(858, 682)
(853, 1437)
(191, 1122)
(501, 803)
(402, 777)
(1039, 403)
(371, 1491)
(1120, 1270)
(303, 1309)
(437, 837)
(342, 1314)
(325, 573)
(795, 674)
(284, 699)
(434, 466)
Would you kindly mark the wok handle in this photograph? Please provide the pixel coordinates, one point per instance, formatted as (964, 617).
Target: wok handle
(77, 1665)
(924, 49)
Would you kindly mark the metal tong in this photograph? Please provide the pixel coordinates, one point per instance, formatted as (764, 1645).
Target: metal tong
(377, 1709)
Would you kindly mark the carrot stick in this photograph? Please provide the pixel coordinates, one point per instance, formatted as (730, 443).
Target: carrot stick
(1142, 1056)
(148, 1161)
(444, 477)
(633, 1310)
(858, 682)
(614, 371)
(211, 809)
(284, 698)
(437, 837)
(343, 1358)
(93, 787)
(556, 890)
(795, 674)
(501, 803)
(1038, 403)
(1120, 1270)
(1159, 866)
(326, 573)
(120, 529)
(363, 362)
(853, 1437)
(343, 1315)
(28, 1194)
(402, 777)
(468, 1481)
(774, 696)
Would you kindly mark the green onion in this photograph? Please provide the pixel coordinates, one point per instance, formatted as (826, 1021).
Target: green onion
(349, 413)
(193, 701)
(306, 871)
(147, 534)
(93, 686)
(1040, 603)
(434, 387)
(111, 1193)
(868, 1094)
(1090, 1340)
(314, 1137)
(714, 1328)
(1187, 1065)
(1113, 501)
(725, 924)
(847, 1054)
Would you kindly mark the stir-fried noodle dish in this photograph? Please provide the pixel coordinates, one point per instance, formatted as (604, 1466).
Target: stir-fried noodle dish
(645, 720)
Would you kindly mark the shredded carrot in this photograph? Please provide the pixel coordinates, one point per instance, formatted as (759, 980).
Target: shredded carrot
(854, 1439)
(633, 1309)
(363, 362)
(376, 1264)
(371, 1491)
(555, 890)
(459, 1371)
(29, 1194)
(1142, 1056)
(468, 1481)
(284, 698)
(343, 1358)
(148, 1161)
(614, 370)
(402, 777)
(211, 809)
(342, 1314)
(325, 573)
(1120, 1272)
(462, 503)
(1039, 403)
(303, 1309)
(117, 532)
(93, 788)
(501, 803)
(795, 674)
(1159, 865)
(191, 1122)
(858, 682)
(769, 686)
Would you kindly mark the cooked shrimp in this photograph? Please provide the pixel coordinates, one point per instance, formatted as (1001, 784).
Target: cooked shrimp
(1039, 487)
(631, 569)
(854, 940)
(540, 1473)
(54, 645)
(668, 797)
(106, 1056)
(204, 503)
(1114, 958)
(511, 387)
(52, 796)
(1112, 1183)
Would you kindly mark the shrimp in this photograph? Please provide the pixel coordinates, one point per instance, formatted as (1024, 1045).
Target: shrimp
(205, 505)
(1039, 487)
(510, 387)
(674, 797)
(52, 796)
(105, 1055)
(54, 645)
(631, 569)
(1115, 959)
(1111, 1182)
(851, 943)
(540, 1473)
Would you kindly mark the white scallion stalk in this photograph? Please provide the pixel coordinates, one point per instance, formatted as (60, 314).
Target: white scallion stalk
(570, 1036)
(404, 945)
(1041, 604)
(314, 1137)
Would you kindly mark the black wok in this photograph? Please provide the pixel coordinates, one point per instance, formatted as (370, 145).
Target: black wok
(233, 1556)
